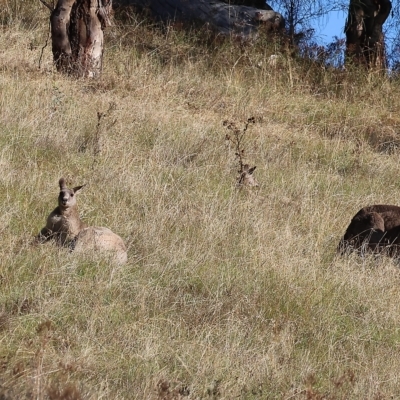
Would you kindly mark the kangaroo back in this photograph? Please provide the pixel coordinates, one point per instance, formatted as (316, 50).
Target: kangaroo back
(100, 240)
(377, 227)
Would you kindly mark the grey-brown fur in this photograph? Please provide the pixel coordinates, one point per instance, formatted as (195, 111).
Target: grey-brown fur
(246, 177)
(95, 239)
(64, 225)
(376, 228)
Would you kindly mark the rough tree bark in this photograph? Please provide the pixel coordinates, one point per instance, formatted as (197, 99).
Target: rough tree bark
(365, 43)
(222, 16)
(77, 35)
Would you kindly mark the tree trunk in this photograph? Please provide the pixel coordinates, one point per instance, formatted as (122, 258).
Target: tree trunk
(77, 35)
(365, 43)
(224, 18)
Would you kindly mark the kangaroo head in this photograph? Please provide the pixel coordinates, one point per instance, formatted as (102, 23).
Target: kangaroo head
(362, 225)
(246, 177)
(67, 197)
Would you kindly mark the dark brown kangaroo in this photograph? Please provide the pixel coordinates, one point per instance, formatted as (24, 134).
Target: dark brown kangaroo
(375, 228)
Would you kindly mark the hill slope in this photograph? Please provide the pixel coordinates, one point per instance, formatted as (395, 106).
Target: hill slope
(227, 293)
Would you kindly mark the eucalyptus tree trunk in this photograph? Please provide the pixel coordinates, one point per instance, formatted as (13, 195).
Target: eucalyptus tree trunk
(77, 32)
(365, 43)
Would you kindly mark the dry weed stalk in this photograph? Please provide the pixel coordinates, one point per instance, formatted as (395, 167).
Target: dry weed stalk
(100, 127)
(246, 177)
(96, 139)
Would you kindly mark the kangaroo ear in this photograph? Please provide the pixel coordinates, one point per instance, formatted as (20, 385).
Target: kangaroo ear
(62, 183)
(78, 188)
(251, 170)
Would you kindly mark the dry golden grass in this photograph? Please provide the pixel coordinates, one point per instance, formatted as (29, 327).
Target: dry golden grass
(227, 293)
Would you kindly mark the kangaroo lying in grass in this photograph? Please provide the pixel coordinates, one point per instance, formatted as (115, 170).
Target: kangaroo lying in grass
(66, 228)
(246, 177)
(375, 228)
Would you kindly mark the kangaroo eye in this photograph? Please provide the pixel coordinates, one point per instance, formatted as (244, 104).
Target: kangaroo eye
(72, 195)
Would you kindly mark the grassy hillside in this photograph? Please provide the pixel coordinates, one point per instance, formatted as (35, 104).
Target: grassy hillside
(227, 293)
